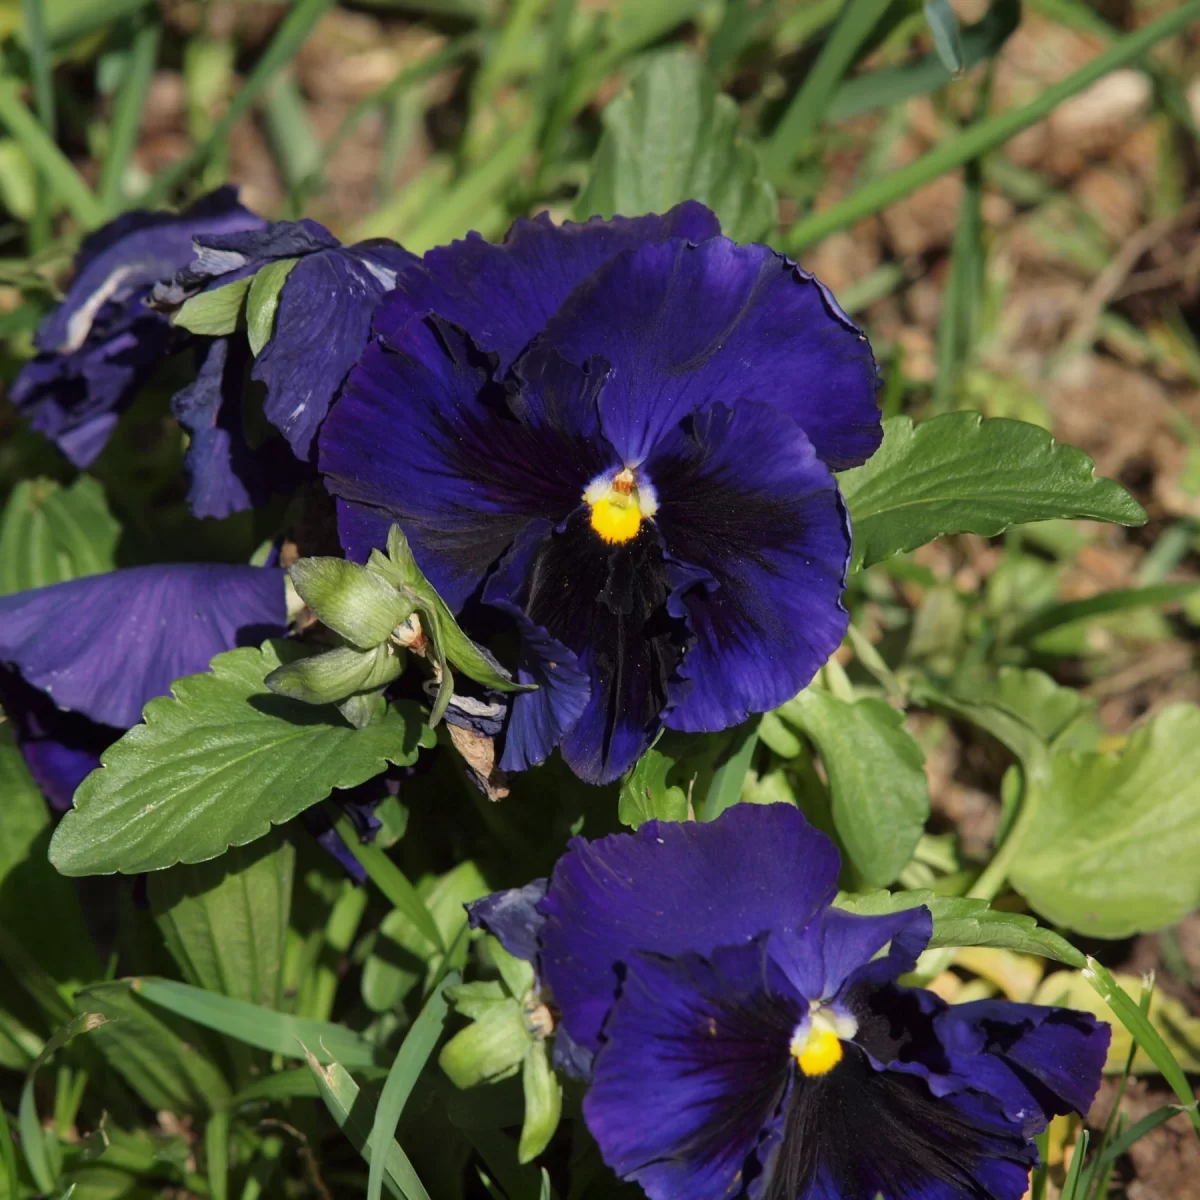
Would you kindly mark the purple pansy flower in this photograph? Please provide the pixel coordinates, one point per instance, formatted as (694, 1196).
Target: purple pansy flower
(102, 342)
(750, 1040)
(79, 660)
(620, 434)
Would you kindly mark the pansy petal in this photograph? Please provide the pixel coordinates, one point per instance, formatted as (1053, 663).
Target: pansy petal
(427, 440)
(504, 294)
(687, 325)
(694, 1066)
(538, 719)
(856, 1133)
(744, 499)
(512, 917)
(671, 888)
(321, 329)
(106, 644)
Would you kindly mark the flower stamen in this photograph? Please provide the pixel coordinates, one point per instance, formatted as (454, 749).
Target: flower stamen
(619, 504)
(817, 1043)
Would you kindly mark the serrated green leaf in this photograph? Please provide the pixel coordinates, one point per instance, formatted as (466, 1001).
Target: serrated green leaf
(216, 765)
(876, 775)
(1114, 842)
(49, 534)
(646, 795)
(353, 601)
(491, 1048)
(225, 921)
(214, 313)
(965, 921)
(336, 674)
(672, 136)
(960, 473)
(543, 1102)
(262, 303)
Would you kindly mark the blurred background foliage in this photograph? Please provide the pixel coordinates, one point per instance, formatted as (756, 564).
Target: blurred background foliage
(1005, 194)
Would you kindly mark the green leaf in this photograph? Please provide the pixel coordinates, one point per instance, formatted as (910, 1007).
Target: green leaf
(960, 473)
(214, 313)
(263, 302)
(646, 795)
(543, 1102)
(275, 1032)
(341, 1096)
(353, 601)
(964, 921)
(49, 534)
(1114, 842)
(1032, 697)
(669, 137)
(876, 775)
(491, 1048)
(225, 921)
(217, 765)
(168, 1071)
(336, 674)
(947, 38)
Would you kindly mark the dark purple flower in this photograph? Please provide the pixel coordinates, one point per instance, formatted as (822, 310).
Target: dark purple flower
(322, 321)
(102, 343)
(750, 1040)
(620, 434)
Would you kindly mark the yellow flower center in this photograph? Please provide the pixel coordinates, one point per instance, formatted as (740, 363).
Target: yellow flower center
(619, 505)
(817, 1043)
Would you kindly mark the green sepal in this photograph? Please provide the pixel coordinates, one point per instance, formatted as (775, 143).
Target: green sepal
(543, 1102)
(363, 708)
(353, 601)
(491, 1048)
(332, 676)
(263, 302)
(214, 313)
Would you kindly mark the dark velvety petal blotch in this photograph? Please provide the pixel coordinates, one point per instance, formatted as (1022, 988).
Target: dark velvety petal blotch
(106, 644)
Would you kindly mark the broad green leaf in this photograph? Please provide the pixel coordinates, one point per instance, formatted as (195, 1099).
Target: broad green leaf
(38, 907)
(166, 1070)
(965, 921)
(341, 1096)
(276, 1032)
(217, 765)
(338, 674)
(1051, 710)
(960, 473)
(262, 303)
(1115, 839)
(225, 921)
(646, 795)
(669, 137)
(491, 1048)
(353, 601)
(49, 534)
(543, 1102)
(214, 313)
(876, 775)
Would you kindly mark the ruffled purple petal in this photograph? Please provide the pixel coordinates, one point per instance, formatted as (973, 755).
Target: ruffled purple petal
(427, 440)
(685, 326)
(504, 294)
(694, 1067)
(105, 645)
(512, 917)
(755, 525)
(673, 888)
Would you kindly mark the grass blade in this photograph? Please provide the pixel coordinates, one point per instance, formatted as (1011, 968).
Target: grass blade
(64, 181)
(127, 115)
(1146, 1036)
(726, 786)
(1118, 600)
(986, 135)
(810, 103)
(341, 1096)
(8, 1154)
(1070, 1190)
(1138, 1130)
(414, 1053)
(280, 1033)
(33, 16)
(296, 27)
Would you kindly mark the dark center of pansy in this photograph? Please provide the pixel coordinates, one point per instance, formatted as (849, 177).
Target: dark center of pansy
(619, 504)
(816, 1043)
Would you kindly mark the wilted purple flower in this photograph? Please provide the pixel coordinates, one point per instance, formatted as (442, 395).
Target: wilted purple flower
(620, 434)
(102, 343)
(750, 1040)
